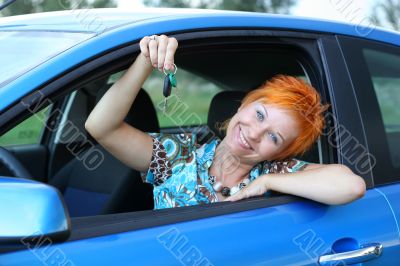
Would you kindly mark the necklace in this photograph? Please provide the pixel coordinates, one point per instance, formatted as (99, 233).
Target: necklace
(226, 191)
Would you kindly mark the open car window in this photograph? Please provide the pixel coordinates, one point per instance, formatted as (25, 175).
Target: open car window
(235, 67)
(189, 101)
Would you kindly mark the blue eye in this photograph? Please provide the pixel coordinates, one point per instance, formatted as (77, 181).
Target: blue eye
(260, 116)
(274, 138)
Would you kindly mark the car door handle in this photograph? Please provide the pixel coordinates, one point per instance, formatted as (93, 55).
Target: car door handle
(365, 253)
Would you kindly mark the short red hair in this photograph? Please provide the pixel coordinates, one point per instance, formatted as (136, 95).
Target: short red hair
(304, 103)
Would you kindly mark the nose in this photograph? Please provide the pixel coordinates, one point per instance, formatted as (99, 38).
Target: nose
(255, 133)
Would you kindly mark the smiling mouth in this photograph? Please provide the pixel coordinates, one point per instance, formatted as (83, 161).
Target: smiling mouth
(243, 141)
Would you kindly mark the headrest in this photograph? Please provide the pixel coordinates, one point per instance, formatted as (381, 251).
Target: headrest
(223, 106)
(142, 114)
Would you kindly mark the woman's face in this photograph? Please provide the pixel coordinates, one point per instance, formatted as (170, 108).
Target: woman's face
(259, 132)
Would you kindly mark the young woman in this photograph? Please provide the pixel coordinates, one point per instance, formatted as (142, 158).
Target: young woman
(276, 122)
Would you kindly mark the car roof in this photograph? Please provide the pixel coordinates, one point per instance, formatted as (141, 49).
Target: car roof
(106, 19)
(78, 19)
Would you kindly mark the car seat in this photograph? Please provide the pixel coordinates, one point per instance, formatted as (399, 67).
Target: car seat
(112, 187)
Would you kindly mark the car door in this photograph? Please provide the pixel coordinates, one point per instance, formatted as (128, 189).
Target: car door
(253, 233)
(283, 230)
(375, 68)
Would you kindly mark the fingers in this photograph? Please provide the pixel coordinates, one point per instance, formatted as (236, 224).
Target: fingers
(237, 196)
(256, 188)
(144, 49)
(169, 57)
(160, 50)
(153, 47)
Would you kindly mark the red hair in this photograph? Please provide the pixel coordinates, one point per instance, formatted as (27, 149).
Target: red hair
(302, 101)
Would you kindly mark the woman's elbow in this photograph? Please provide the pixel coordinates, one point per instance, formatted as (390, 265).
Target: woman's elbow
(356, 187)
(92, 129)
(359, 187)
(89, 126)
(353, 190)
(355, 184)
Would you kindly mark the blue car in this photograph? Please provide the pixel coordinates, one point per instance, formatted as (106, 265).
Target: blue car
(65, 201)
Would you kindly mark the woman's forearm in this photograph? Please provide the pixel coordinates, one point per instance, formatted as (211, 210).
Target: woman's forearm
(113, 107)
(329, 184)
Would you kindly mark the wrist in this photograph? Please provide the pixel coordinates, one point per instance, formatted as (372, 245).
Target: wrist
(143, 59)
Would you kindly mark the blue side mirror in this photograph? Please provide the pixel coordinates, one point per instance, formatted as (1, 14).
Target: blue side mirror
(31, 210)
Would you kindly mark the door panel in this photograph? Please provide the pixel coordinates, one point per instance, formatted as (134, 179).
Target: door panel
(392, 193)
(290, 234)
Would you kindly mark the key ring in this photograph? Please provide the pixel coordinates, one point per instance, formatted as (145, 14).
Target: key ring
(175, 69)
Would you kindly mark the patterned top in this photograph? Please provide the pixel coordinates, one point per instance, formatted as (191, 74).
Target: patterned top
(179, 170)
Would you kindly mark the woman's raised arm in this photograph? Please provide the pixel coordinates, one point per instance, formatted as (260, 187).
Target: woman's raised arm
(106, 121)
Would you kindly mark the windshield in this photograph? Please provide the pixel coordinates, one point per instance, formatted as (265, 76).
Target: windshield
(21, 51)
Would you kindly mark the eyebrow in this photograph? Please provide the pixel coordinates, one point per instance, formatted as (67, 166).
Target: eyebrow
(266, 112)
(281, 136)
(265, 109)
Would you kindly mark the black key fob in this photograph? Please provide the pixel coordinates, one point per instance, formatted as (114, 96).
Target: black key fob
(167, 86)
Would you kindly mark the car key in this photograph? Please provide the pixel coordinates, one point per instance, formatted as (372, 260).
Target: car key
(166, 91)
(169, 82)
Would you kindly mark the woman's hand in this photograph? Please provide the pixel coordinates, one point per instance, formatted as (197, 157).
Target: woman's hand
(256, 188)
(160, 50)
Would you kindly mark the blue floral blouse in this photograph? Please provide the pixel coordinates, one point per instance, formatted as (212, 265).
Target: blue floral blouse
(179, 170)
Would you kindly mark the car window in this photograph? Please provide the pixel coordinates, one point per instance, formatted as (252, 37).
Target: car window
(384, 69)
(374, 69)
(189, 102)
(27, 132)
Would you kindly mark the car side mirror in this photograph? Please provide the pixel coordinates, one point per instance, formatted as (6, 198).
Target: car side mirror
(31, 210)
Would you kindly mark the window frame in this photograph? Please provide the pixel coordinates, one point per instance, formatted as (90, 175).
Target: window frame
(383, 172)
(114, 60)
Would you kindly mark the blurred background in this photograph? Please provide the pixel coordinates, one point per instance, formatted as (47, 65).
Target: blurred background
(383, 13)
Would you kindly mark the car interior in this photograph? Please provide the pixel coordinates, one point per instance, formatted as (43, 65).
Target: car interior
(113, 187)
